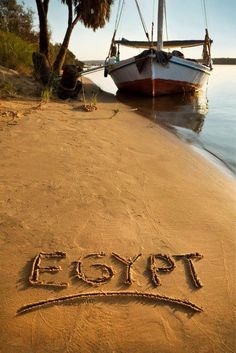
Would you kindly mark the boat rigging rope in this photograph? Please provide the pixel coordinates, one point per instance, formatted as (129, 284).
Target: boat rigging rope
(119, 13)
(142, 20)
(206, 52)
(204, 11)
(117, 22)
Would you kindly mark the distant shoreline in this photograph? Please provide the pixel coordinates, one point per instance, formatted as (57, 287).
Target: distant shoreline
(224, 61)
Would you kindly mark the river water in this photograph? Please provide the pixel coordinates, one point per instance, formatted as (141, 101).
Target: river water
(206, 120)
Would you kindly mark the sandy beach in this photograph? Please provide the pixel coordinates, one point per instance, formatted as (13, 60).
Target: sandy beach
(103, 187)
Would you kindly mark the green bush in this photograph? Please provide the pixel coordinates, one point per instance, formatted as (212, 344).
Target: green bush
(15, 53)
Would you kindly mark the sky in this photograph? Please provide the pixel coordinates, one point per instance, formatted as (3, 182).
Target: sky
(185, 20)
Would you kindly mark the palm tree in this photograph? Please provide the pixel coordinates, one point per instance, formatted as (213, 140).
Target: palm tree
(92, 13)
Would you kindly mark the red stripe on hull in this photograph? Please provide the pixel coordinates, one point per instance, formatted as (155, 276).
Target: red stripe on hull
(157, 87)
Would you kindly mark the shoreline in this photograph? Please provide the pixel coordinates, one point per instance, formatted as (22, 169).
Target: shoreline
(224, 165)
(96, 187)
(215, 161)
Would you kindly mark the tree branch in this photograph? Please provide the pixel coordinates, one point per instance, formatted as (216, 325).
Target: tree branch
(76, 20)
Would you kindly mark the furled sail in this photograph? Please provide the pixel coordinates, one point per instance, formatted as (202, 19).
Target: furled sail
(166, 44)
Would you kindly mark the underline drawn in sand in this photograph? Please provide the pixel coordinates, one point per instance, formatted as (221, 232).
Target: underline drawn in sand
(159, 298)
(107, 274)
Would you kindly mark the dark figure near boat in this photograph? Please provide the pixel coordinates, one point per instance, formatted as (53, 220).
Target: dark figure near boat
(69, 86)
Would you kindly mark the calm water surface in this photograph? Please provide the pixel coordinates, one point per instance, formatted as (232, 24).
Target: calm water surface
(206, 120)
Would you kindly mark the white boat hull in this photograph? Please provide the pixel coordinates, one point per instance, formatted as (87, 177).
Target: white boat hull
(178, 75)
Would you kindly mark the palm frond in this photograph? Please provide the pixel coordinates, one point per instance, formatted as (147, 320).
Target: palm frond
(93, 13)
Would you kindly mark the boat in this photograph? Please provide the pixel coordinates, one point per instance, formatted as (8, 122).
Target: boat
(157, 71)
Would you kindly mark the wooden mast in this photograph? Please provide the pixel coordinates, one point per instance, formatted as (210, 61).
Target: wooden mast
(160, 25)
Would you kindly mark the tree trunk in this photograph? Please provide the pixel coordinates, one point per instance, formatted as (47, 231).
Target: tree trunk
(41, 68)
(57, 66)
(42, 7)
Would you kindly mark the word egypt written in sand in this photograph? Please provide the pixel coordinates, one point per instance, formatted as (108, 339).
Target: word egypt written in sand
(107, 274)
(107, 271)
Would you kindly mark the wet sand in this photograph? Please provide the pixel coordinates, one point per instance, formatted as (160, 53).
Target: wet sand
(112, 185)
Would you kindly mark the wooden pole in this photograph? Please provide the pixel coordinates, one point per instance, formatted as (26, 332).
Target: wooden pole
(160, 25)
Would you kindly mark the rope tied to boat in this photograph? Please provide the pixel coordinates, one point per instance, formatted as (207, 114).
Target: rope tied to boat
(143, 23)
(117, 22)
(204, 11)
(206, 51)
(112, 49)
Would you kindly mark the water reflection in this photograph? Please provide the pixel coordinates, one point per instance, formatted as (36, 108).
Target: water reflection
(185, 115)
(186, 111)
